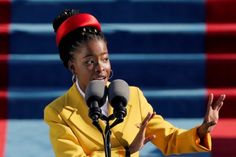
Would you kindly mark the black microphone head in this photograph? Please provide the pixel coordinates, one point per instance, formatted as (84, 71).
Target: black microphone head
(95, 91)
(118, 92)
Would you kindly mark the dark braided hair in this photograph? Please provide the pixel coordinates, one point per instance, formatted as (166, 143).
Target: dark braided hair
(74, 39)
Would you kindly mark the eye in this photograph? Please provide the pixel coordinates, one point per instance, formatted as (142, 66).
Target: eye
(106, 59)
(90, 62)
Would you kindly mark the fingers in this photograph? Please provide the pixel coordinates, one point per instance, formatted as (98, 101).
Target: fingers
(147, 119)
(219, 107)
(210, 101)
(140, 140)
(219, 103)
(148, 139)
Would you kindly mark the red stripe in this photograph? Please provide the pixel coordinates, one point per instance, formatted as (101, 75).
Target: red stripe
(221, 28)
(3, 122)
(3, 126)
(4, 50)
(4, 57)
(225, 56)
(225, 128)
(224, 138)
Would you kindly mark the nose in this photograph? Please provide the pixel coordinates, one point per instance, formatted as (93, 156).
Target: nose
(99, 67)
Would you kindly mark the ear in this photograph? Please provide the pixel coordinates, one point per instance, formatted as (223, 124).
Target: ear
(71, 67)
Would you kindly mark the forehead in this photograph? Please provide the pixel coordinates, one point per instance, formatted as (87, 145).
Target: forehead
(92, 47)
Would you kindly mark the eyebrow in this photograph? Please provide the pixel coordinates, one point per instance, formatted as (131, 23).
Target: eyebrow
(89, 55)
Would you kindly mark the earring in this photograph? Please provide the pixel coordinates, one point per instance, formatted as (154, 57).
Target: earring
(111, 74)
(74, 78)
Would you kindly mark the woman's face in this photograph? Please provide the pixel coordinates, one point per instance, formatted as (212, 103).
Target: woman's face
(91, 62)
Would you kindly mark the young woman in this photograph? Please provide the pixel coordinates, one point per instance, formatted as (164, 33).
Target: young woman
(83, 50)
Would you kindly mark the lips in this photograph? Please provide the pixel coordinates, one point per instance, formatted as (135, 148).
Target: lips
(100, 77)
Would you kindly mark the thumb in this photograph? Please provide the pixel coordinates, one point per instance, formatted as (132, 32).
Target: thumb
(205, 128)
(148, 139)
(209, 124)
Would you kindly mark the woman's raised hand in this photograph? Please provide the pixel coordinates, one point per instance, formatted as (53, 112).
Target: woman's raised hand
(140, 140)
(212, 115)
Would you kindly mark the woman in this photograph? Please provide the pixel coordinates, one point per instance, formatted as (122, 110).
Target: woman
(83, 50)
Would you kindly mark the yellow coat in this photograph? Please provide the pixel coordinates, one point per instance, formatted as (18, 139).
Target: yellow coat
(73, 135)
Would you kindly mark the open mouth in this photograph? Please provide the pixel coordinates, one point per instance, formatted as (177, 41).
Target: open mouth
(100, 78)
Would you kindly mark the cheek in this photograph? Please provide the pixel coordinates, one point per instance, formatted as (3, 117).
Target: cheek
(89, 68)
(107, 66)
(83, 70)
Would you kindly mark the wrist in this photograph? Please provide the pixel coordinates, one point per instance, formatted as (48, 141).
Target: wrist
(200, 133)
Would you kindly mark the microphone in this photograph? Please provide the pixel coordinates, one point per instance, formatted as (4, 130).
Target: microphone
(94, 94)
(118, 96)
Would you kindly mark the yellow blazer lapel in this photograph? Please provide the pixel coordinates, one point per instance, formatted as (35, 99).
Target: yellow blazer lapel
(79, 117)
(84, 125)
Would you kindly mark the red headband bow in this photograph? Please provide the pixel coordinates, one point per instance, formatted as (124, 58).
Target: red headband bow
(74, 22)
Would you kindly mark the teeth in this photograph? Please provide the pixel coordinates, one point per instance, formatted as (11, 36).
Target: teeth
(100, 78)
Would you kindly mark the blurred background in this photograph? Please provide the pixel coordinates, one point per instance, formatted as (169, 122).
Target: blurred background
(176, 51)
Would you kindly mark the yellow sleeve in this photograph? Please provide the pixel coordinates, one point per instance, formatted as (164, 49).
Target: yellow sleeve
(65, 143)
(169, 139)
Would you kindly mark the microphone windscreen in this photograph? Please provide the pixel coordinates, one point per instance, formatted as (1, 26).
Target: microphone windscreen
(95, 91)
(118, 91)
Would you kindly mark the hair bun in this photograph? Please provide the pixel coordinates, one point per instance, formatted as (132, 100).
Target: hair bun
(65, 14)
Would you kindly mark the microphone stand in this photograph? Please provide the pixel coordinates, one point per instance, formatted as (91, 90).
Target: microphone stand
(107, 132)
(106, 138)
(97, 125)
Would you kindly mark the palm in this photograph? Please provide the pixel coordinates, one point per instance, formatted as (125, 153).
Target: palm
(212, 116)
(213, 108)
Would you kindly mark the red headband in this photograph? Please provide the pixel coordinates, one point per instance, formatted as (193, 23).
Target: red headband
(74, 22)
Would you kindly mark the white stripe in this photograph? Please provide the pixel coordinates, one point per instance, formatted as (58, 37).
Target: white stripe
(37, 133)
(185, 123)
(34, 94)
(32, 28)
(153, 27)
(114, 27)
(113, 57)
(157, 57)
(175, 93)
(33, 57)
